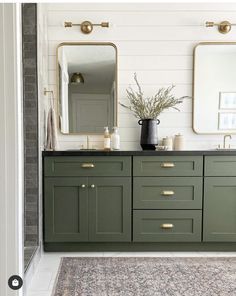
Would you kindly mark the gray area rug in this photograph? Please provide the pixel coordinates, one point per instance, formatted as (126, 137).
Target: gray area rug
(146, 276)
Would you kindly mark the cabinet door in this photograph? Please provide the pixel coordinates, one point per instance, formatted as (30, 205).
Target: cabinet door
(109, 209)
(65, 210)
(219, 223)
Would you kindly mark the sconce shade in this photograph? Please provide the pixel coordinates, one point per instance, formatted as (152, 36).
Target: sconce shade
(77, 78)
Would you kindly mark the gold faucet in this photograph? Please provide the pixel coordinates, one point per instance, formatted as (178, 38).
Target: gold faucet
(225, 137)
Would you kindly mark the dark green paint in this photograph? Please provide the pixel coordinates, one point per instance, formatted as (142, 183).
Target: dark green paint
(65, 210)
(152, 166)
(139, 247)
(97, 218)
(147, 225)
(220, 166)
(110, 209)
(71, 166)
(73, 213)
(148, 193)
(219, 219)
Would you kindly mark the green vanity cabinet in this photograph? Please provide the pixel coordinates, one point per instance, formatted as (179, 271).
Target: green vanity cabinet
(89, 166)
(167, 193)
(219, 211)
(65, 209)
(109, 209)
(87, 209)
(167, 226)
(220, 166)
(167, 198)
(151, 166)
(219, 214)
(124, 200)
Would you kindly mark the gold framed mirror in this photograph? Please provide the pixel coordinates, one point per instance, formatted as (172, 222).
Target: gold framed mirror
(86, 87)
(214, 88)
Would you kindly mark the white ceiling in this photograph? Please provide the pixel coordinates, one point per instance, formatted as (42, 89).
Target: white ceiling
(97, 63)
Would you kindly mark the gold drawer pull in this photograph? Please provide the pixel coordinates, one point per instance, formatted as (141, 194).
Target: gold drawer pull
(167, 226)
(167, 192)
(167, 165)
(87, 165)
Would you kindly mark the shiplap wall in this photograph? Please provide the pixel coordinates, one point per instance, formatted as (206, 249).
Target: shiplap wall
(156, 41)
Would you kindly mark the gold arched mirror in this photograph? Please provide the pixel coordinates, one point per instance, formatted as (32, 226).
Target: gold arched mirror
(87, 87)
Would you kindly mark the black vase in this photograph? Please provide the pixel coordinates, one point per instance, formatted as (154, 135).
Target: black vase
(149, 138)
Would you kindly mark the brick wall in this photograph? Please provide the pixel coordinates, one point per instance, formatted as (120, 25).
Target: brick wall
(30, 101)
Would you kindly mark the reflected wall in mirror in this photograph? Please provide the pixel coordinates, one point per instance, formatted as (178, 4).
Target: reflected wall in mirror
(214, 93)
(87, 86)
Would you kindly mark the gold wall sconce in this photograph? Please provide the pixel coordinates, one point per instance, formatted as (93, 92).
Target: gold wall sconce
(77, 78)
(223, 27)
(86, 26)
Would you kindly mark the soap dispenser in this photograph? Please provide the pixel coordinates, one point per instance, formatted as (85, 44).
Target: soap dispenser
(107, 139)
(115, 139)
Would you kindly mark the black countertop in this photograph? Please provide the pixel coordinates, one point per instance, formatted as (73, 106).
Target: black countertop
(139, 153)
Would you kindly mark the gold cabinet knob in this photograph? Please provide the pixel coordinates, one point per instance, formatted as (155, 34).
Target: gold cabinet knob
(83, 186)
(167, 226)
(92, 186)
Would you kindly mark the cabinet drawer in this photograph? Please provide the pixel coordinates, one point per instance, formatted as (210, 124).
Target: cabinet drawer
(167, 193)
(87, 166)
(220, 166)
(167, 225)
(168, 166)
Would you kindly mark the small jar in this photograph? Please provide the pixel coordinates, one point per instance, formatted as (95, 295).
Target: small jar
(168, 142)
(179, 143)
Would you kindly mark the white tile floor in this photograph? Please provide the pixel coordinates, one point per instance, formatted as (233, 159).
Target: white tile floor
(44, 278)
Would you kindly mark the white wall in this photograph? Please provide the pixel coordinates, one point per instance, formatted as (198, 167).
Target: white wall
(154, 40)
(11, 148)
(42, 70)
